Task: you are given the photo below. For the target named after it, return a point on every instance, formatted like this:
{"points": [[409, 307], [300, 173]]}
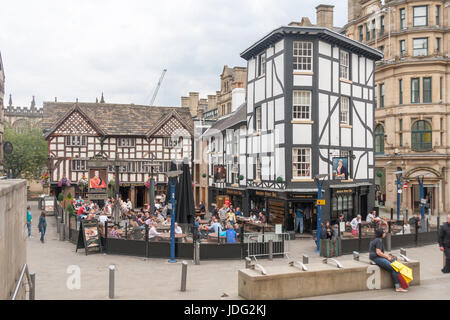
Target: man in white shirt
{"points": [[370, 217], [129, 205], [355, 222], [152, 233], [178, 229]]}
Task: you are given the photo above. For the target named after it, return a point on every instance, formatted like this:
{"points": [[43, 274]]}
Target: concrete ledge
{"points": [[286, 282]]}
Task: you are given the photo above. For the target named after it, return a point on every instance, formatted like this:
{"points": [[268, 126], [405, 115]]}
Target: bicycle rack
{"points": [[338, 264], [299, 265]]}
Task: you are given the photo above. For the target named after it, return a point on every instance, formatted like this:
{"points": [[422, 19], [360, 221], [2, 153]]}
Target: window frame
{"points": [[400, 91], [402, 19], [381, 95], [418, 144], [401, 132], [402, 48], [346, 121], [261, 64], [344, 64], [300, 61], [302, 107], [414, 47], [367, 31], [361, 33], [381, 25], [427, 92], [374, 28], [295, 163], [417, 17], [379, 140], [438, 44], [131, 142], [438, 16], [413, 101], [78, 165], [258, 119], [70, 141]]}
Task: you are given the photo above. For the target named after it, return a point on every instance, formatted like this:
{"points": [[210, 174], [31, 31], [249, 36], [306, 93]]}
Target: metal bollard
{"points": [[305, 259], [270, 250], [57, 224], [355, 256], [33, 286], [183, 275], [112, 269], [407, 214], [62, 232], [197, 253], [403, 251]]}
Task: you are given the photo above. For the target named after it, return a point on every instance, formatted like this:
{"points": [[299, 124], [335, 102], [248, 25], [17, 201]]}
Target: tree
{"points": [[29, 154]]}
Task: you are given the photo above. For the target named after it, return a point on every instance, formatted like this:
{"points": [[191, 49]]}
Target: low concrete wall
{"points": [[286, 282], [13, 208]]}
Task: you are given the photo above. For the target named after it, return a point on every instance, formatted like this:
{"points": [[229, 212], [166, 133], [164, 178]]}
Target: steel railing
{"points": [[31, 280]]}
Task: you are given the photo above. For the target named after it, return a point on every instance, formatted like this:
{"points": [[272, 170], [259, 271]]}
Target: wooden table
{"points": [[162, 228], [166, 236], [212, 237], [204, 221]]}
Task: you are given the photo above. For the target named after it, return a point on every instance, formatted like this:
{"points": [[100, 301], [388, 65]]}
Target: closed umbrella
{"points": [[184, 211]]}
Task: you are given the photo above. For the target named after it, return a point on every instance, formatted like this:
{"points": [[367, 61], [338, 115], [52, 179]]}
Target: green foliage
{"points": [[241, 177], [69, 196], [70, 209], [279, 180], [29, 152], [60, 197]]}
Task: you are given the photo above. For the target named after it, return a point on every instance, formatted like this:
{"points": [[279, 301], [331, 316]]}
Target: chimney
{"points": [[324, 15], [354, 9], [185, 102]]}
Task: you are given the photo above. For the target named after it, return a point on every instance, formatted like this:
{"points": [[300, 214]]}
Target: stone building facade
{"points": [[230, 79], [413, 85], [23, 117]]}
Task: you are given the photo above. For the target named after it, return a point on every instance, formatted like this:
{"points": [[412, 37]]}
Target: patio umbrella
{"points": [[184, 211]]}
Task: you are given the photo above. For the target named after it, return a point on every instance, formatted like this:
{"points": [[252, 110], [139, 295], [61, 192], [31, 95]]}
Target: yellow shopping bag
{"points": [[404, 270]]}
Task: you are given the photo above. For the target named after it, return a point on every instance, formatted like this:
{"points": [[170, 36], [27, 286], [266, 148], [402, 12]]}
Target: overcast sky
{"points": [[77, 49]]}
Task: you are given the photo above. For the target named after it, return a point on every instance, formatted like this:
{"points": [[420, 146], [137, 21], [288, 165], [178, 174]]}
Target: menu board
{"points": [[276, 211], [88, 237], [49, 204]]}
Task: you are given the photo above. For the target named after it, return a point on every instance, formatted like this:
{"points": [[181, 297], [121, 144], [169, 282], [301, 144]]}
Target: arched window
{"points": [[421, 135], [379, 139]]}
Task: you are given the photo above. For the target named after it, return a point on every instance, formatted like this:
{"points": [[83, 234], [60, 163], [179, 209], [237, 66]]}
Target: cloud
{"points": [[77, 49]]}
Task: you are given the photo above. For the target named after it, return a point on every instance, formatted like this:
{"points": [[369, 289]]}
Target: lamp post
{"points": [[399, 188], [422, 200], [172, 174], [319, 183]]}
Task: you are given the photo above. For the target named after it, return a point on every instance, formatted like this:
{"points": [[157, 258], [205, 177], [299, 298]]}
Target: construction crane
{"points": [[157, 87]]}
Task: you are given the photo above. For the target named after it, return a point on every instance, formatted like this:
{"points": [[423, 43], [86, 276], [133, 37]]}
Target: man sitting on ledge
{"points": [[382, 260]]}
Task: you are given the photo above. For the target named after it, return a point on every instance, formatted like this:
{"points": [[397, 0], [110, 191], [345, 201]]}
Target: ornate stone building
{"points": [[21, 117], [413, 85], [230, 79]]}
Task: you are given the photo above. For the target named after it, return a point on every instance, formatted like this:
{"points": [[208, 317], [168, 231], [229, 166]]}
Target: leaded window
{"points": [[301, 163], [303, 52], [421, 135], [301, 107], [379, 139]]}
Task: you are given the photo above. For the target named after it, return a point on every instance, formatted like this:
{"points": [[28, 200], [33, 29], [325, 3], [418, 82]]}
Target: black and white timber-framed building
{"points": [[310, 104]]}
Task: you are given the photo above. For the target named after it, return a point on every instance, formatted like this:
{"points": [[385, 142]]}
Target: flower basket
{"points": [[83, 183], [44, 179]]}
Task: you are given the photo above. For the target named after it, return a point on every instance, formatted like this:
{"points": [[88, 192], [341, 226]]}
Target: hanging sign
{"points": [[321, 202]]}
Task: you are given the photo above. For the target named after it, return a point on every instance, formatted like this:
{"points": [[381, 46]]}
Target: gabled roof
{"points": [[115, 119], [320, 32], [235, 118]]}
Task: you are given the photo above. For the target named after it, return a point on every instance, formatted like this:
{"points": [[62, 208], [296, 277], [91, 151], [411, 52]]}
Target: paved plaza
{"points": [[152, 279]]}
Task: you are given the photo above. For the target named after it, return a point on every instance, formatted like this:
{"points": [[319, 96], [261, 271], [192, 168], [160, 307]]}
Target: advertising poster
{"points": [[97, 180], [220, 173], [89, 238], [340, 168]]}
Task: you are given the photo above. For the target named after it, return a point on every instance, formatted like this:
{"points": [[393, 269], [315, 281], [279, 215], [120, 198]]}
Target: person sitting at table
{"points": [[238, 212], [146, 216], [237, 228], [370, 217], [164, 211], [152, 233], [215, 226], [102, 218], [223, 213], [406, 227], [231, 234], [159, 218], [168, 222], [202, 208], [253, 216], [113, 233], [178, 229], [262, 218]]}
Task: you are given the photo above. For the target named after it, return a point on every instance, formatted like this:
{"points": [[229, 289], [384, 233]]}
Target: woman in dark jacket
{"points": [[42, 225]]}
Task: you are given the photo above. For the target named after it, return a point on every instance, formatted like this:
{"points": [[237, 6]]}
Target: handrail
{"points": [[31, 283]]}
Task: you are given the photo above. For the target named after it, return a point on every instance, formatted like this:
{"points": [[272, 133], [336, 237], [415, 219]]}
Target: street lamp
{"points": [[172, 174], [319, 183], [398, 174]]}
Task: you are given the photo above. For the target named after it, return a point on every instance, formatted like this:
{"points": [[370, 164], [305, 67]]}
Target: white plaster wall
{"points": [[251, 69], [324, 48], [279, 65], [301, 133], [324, 74], [323, 114], [279, 109], [260, 90], [300, 80]]}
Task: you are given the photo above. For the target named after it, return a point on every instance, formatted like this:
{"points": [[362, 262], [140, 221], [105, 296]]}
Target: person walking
{"points": [[444, 243], [42, 225], [29, 219], [377, 255]]}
